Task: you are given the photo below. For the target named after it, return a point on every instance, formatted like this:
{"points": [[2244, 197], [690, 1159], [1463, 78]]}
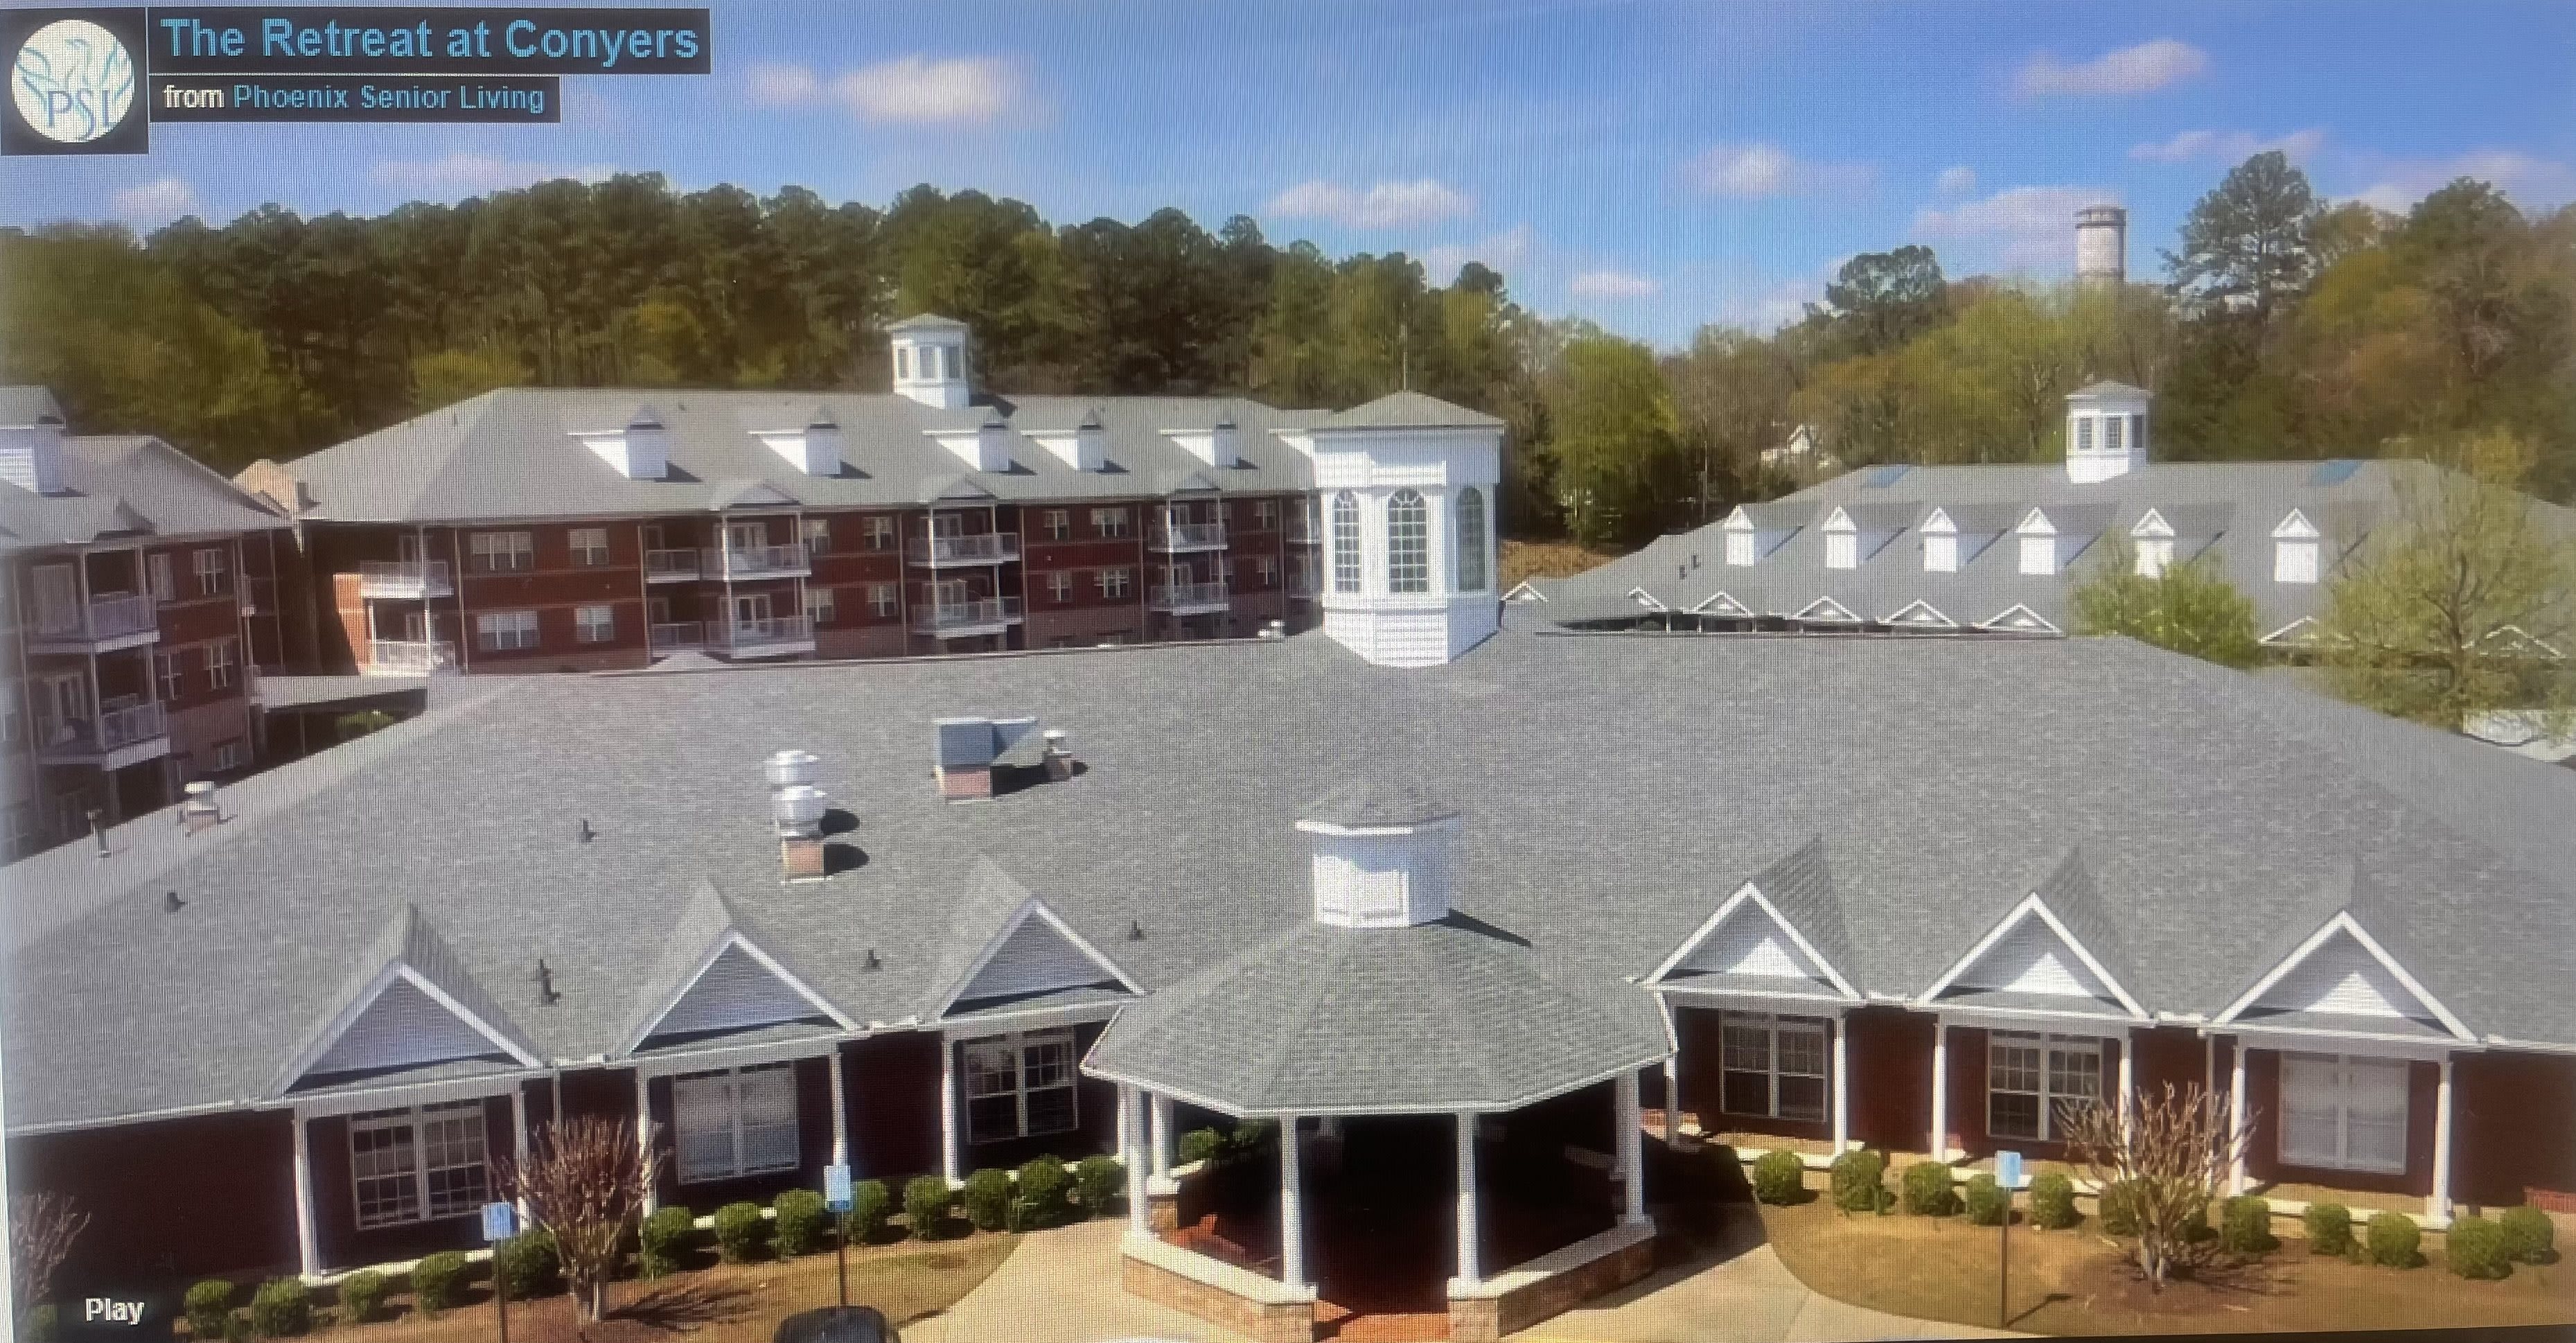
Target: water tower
{"points": [[2102, 246]]}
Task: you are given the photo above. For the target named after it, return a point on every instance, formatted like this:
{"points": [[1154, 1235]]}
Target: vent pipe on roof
{"points": [[796, 809], [200, 810], [1059, 756]]}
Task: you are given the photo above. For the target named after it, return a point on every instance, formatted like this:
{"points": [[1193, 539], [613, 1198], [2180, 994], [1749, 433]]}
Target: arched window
{"points": [[1471, 540], [1408, 543], [1346, 542]]}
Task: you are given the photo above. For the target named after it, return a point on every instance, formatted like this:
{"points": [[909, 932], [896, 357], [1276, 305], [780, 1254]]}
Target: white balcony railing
{"points": [[1188, 536], [962, 617], [409, 657], [673, 636], [664, 566], [404, 578], [1187, 597], [104, 618], [760, 635], [111, 730], [984, 548], [755, 561]]}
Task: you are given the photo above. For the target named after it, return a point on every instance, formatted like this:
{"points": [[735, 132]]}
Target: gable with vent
{"points": [[739, 988], [403, 1021], [1751, 945], [1038, 953], [2031, 953], [2342, 972]]}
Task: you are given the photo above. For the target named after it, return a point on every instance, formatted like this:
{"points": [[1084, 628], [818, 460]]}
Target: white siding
{"points": [[2032, 958], [736, 992], [2342, 977], [402, 1028], [2294, 561], [1842, 550], [1940, 554], [1739, 549], [1749, 942], [2039, 555], [1035, 958]]}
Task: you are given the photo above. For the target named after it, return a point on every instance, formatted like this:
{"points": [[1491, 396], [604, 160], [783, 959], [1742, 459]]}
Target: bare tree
{"points": [[584, 1181], [2167, 1160], [42, 1228]]}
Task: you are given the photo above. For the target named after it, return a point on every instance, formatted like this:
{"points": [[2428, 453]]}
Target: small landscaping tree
{"points": [[988, 1199], [435, 1281], [2475, 1248], [1779, 1177], [2329, 1227], [2394, 1240], [1926, 1186], [42, 1228], [925, 1205], [2529, 1235], [2167, 1161], [665, 1240], [2052, 1201], [585, 1181], [1859, 1179], [1096, 1181], [870, 1206], [362, 1296], [739, 1231]]}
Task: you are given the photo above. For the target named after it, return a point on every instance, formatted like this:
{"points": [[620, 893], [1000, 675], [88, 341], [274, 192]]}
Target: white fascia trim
{"points": [[2030, 905], [1737, 521], [348, 1016], [1728, 604], [2152, 523], [733, 938], [1441, 1108], [1646, 599], [2343, 921], [1031, 1019], [2037, 1018], [405, 1094], [2035, 523], [2276, 636], [2347, 1042], [1523, 592], [1749, 892], [721, 1057], [1997, 623], [1839, 521], [2295, 527], [1842, 614], [1809, 1004], [1938, 523], [1032, 907], [2518, 632], [1905, 616]]}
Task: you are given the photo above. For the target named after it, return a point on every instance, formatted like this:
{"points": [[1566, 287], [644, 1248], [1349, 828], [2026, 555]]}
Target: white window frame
{"points": [[2340, 1102], [883, 599], [501, 552], [419, 1127], [877, 531], [1265, 571], [219, 664], [820, 607], [171, 674], [1060, 587], [816, 533], [158, 578], [1115, 583], [2111, 426], [1471, 539], [589, 546], [1408, 542], [228, 755], [211, 571], [1265, 514], [505, 631], [2048, 1069], [1109, 521], [1057, 523], [981, 1063], [1740, 1034], [595, 623], [1346, 542], [734, 1090]]}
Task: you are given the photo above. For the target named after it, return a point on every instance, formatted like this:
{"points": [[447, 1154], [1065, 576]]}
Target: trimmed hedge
{"points": [[362, 1296], [2394, 1240], [209, 1303], [1779, 1177], [2245, 1225], [1859, 1180], [665, 1241], [925, 1205], [871, 1204], [1096, 1181], [2529, 1236], [2475, 1249], [1925, 1188], [1988, 1203], [526, 1263], [281, 1308], [740, 1229], [2329, 1228], [988, 1199], [1041, 1200], [2052, 1201], [1200, 1144], [435, 1281], [799, 1220], [2119, 1217]]}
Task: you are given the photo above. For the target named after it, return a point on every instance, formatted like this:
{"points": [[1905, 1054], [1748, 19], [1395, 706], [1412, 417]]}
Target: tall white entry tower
{"points": [[1406, 486], [930, 360]]}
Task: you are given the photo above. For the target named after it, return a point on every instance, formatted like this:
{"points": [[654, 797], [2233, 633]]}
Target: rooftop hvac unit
{"points": [[798, 809], [789, 769]]}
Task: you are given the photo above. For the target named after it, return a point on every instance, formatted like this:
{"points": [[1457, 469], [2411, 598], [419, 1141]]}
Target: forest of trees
{"points": [[2285, 328]]}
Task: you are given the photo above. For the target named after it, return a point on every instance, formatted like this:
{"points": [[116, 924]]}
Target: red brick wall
{"points": [[894, 1112], [2513, 1126], [1891, 1064], [186, 1197]]}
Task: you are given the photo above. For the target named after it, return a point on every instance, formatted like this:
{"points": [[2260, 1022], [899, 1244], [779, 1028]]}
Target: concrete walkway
{"points": [[1061, 1286]]}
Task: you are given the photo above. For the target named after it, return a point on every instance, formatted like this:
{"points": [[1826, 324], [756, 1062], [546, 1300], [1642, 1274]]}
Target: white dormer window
{"points": [[2084, 432], [2111, 433], [2155, 555], [1842, 550], [2039, 555], [1739, 550], [1940, 554], [903, 362], [2294, 550]]}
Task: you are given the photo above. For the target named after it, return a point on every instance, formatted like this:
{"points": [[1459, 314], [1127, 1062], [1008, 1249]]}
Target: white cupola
{"points": [[930, 360], [1407, 498], [2106, 432], [1383, 857], [31, 440]]}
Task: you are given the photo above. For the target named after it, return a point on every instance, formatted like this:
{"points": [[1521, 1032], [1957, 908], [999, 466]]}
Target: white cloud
{"points": [[1607, 283], [1503, 251], [1384, 205], [1766, 310], [784, 84], [467, 174], [1757, 170], [2530, 181], [2229, 146], [914, 90], [2143, 68], [155, 202], [1958, 181], [2031, 225]]}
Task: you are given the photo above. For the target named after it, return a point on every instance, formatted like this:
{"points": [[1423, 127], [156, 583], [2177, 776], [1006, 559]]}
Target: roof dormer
{"points": [[930, 360], [983, 445], [639, 448], [1085, 447], [2295, 543], [1382, 858], [816, 450], [1753, 531], [1220, 445], [31, 440]]}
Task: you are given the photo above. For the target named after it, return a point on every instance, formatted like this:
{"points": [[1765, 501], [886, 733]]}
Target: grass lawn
{"points": [[2072, 1282], [720, 1303], [1546, 559]]}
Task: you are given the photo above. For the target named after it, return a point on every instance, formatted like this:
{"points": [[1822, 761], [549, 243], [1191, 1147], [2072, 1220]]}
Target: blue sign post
{"points": [[2009, 1176], [836, 1196], [500, 1222]]}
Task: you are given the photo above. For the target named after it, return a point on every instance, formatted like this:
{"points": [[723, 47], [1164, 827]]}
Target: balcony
{"points": [[103, 626], [404, 580], [113, 740], [1183, 599], [408, 657], [677, 636], [939, 552], [1185, 536], [768, 637], [736, 562], [670, 566], [960, 619]]}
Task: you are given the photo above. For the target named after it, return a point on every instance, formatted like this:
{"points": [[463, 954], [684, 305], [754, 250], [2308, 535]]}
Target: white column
{"points": [[1673, 1101], [840, 1109], [519, 1135], [1632, 1156], [1131, 1153], [2438, 1203], [1842, 1086], [948, 1113], [308, 1245], [1471, 1269], [2128, 1082], [2236, 1115], [1292, 1212], [644, 1137], [1940, 1090], [1160, 1134]]}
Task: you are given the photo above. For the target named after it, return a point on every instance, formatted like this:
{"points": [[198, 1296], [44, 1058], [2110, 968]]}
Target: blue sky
{"points": [[1651, 166]]}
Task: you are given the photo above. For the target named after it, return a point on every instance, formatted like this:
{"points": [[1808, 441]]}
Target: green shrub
{"points": [[1859, 1179], [2394, 1240], [2119, 1214], [2245, 1225], [525, 1264], [988, 1199], [2052, 1201], [436, 1280], [208, 1304], [1779, 1177], [1926, 1186], [1250, 1136], [44, 1325], [2195, 1226], [281, 1308], [665, 1240], [739, 1231], [1043, 1186], [1096, 1181], [925, 1205], [2475, 1248], [871, 1203], [2329, 1228], [799, 1218], [362, 1296], [1988, 1203], [237, 1329], [2529, 1236], [1200, 1144]]}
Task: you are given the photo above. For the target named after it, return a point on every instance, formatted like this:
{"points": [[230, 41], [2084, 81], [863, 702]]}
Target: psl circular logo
{"points": [[74, 82]]}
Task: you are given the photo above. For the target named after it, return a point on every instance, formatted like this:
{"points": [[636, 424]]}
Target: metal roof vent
{"points": [[796, 809], [1058, 756], [792, 767], [199, 810]]}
